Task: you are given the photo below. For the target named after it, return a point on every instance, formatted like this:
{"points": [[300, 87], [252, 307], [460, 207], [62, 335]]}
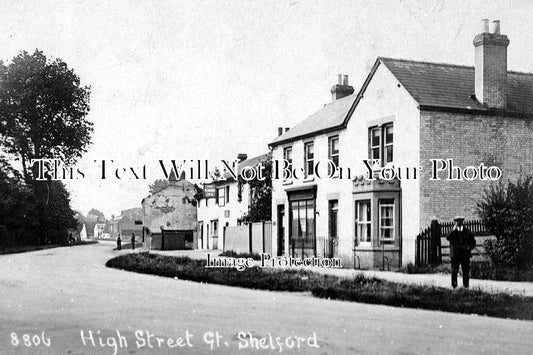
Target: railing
{"points": [[429, 242]]}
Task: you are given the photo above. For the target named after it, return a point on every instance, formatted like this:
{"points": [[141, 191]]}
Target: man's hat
{"points": [[459, 218]]}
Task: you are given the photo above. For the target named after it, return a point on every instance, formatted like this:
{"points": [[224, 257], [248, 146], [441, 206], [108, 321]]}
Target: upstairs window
{"points": [[333, 151], [227, 194], [221, 196], [287, 155], [381, 142], [309, 159]]}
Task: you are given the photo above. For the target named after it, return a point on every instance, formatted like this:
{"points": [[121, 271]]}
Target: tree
{"points": [[507, 211], [261, 195], [42, 110], [161, 184], [95, 212]]}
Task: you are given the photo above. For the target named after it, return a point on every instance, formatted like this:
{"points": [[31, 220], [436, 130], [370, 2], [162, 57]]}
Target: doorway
{"points": [[281, 230]]}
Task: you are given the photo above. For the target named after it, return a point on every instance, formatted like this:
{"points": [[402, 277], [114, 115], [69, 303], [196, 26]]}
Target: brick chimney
{"points": [[341, 89], [491, 66]]}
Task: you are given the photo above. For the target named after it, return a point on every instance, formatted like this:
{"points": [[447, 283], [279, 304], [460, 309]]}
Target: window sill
{"points": [[376, 249], [287, 182], [309, 179]]}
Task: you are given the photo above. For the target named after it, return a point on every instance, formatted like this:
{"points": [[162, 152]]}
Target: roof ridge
{"points": [[425, 62], [447, 64]]}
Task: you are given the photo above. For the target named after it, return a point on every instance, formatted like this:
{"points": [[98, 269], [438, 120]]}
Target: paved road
{"points": [[68, 290]]}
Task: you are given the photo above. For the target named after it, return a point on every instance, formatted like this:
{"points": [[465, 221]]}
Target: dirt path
{"points": [[68, 290]]}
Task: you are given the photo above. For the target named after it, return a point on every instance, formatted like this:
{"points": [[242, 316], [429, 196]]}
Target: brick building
{"points": [[406, 114]]}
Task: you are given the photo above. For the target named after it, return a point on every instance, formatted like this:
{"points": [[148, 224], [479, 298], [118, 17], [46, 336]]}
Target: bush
{"points": [[508, 213], [234, 254]]}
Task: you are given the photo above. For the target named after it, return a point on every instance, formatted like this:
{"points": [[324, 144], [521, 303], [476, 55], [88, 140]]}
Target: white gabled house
{"points": [[405, 114]]}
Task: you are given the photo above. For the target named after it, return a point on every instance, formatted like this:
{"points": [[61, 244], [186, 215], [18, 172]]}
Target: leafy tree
{"points": [[261, 195], [42, 110], [96, 213], [161, 184], [508, 212]]}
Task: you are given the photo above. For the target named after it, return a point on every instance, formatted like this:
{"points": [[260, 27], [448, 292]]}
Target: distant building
{"points": [[169, 217], [125, 224]]}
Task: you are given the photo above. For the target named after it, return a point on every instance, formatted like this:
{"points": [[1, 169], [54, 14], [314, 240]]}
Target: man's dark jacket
{"points": [[461, 243]]}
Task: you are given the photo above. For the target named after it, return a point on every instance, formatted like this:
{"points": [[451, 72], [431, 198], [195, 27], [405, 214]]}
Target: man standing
{"points": [[462, 242], [133, 241]]}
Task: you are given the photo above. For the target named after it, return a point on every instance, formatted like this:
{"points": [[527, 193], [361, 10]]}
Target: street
{"points": [[57, 295]]}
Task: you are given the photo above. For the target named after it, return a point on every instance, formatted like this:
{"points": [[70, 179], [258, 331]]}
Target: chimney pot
{"points": [[490, 80], [485, 25], [280, 131], [341, 89], [496, 27], [242, 157], [287, 129]]}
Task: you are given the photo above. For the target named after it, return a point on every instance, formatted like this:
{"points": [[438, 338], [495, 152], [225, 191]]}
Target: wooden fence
{"points": [[432, 248], [250, 238]]}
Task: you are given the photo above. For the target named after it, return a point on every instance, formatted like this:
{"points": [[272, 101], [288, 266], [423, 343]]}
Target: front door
{"points": [[333, 237], [281, 230]]}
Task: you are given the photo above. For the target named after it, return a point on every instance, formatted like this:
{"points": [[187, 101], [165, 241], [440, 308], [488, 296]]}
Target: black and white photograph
{"points": [[265, 177]]}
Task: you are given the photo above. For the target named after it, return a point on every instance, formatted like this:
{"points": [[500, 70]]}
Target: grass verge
{"points": [[359, 289], [234, 254], [483, 270]]}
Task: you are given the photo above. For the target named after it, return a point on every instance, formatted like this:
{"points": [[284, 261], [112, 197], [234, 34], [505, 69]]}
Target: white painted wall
{"points": [[215, 212], [382, 98]]}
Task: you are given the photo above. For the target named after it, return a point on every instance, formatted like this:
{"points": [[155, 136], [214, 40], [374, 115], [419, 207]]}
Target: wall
{"points": [[213, 211], [469, 140], [238, 239], [173, 208]]}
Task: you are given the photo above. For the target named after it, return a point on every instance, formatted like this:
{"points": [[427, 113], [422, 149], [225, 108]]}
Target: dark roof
{"points": [[433, 86], [331, 115], [452, 86], [248, 162]]}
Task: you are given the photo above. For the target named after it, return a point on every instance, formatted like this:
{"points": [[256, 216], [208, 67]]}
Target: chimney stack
{"points": [[280, 131], [341, 89], [491, 66], [242, 157]]}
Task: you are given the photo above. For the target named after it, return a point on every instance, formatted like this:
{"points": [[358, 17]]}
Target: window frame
{"points": [[285, 151], [390, 203], [331, 155], [359, 222], [223, 189], [307, 160], [382, 146]]}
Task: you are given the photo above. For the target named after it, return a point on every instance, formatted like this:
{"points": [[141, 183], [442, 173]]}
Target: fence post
{"points": [[417, 250], [250, 237], [435, 242]]}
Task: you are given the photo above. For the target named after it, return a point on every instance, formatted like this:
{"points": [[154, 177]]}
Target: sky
{"points": [[211, 79]]}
